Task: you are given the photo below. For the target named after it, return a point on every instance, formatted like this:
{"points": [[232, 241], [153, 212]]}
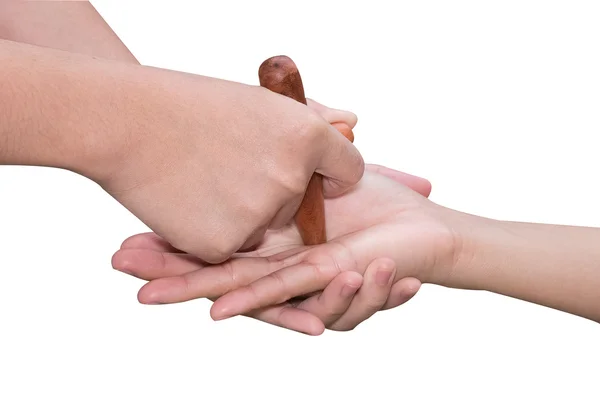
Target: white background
{"points": [[497, 103]]}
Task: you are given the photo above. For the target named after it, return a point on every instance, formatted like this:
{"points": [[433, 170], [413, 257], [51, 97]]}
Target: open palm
{"points": [[176, 277], [392, 220]]}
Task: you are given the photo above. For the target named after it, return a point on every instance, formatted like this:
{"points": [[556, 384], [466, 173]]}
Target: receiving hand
{"points": [[344, 303]]}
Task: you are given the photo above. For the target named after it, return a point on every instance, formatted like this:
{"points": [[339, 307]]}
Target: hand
{"points": [[397, 223], [346, 302], [148, 257], [207, 164], [210, 165]]}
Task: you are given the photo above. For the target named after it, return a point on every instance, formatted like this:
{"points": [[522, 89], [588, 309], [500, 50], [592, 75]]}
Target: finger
{"points": [[275, 288], [150, 264], [288, 317], [341, 164], [333, 302], [333, 115], [372, 295], [418, 184], [149, 241], [209, 282], [402, 291]]}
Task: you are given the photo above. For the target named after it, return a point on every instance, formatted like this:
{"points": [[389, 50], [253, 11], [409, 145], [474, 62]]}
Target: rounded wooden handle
{"points": [[280, 75]]}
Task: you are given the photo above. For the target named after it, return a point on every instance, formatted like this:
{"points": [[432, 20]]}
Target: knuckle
{"points": [[220, 250], [289, 180], [186, 285], [294, 182], [231, 272], [311, 128], [280, 295], [324, 271], [308, 135], [252, 292], [255, 209], [162, 260]]}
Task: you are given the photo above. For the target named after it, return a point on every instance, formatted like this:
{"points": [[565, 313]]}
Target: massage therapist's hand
{"points": [[216, 163], [207, 164]]}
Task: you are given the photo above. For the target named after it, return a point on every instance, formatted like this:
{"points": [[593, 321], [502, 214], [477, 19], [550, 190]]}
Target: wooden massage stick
{"points": [[280, 75]]}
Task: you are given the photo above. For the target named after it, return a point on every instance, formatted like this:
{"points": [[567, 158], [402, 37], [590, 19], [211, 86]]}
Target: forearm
{"points": [[555, 266], [73, 26], [56, 106]]}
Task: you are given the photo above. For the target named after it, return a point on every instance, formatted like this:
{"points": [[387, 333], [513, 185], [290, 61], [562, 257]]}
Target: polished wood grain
{"points": [[280, 75]]}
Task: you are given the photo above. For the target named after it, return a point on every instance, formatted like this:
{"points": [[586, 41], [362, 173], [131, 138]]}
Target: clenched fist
{"points": [[207, 164]]}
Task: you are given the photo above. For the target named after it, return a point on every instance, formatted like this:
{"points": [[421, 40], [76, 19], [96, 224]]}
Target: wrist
{"points": [[471, 246]]}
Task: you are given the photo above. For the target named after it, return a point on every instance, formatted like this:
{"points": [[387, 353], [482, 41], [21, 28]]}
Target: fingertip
{"points": [[426, 187], [383, 265], [333, 187], [346, 118], [351, 119], [136, 241], [135, 262], [317, 329], [378, 283], [381, 272], [123, 261], [412, 285], [402, 291], [119, 261], [301, 321], [351, 278], [148, 296], [351, 284], [342, 165], [219, 311], [333, 115]]}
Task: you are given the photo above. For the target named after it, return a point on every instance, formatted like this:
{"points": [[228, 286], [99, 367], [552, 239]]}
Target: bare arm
{"points": [[551, 265], [55, 107], [73, 26]]}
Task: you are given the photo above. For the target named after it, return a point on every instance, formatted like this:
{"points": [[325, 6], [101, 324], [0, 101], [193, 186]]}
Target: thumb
{"points": [[341, 164]]}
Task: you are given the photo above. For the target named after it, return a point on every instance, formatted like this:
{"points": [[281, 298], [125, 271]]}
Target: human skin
{"points": [[177, 277], [551, 265], [77, 27], [73, 26], [545, 264], [195, 158]]}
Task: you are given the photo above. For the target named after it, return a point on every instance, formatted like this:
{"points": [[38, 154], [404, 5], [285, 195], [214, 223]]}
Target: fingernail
{"points": [[349, 290], [383, 276]]}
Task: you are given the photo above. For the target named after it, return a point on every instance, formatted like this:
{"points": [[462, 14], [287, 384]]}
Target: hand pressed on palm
{"points": [[177, 277]]}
